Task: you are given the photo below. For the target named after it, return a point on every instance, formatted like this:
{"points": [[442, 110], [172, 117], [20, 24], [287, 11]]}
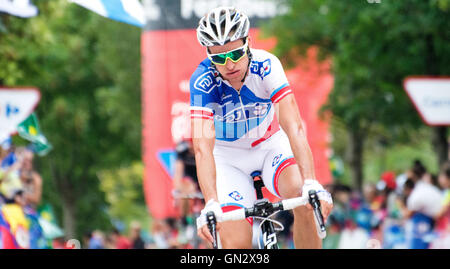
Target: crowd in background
{"points": [[410, 210], [20, 195], [19, 182], [116, 239]]}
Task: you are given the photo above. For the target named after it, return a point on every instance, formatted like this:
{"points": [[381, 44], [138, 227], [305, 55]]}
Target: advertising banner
{"points": [[171, 53]]}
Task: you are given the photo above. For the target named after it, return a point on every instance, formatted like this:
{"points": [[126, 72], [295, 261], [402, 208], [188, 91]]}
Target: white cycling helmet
{"points": [[222, 25]]}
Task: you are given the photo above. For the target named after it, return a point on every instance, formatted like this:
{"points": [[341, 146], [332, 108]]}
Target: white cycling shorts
{"points": [[234, 167]]}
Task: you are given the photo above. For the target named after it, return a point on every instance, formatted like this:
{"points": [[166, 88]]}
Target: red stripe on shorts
{"points": [[280, 168]]}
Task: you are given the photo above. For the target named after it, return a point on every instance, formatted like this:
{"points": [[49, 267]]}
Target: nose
{"points": [[229, 64]]}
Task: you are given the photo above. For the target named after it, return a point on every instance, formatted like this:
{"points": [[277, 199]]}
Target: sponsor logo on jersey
{"points": [[206, 82], [236, 196], [261, 68], [235, 112]]}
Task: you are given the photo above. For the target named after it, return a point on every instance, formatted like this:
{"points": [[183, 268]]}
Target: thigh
{"points": [[235, 190], [280, 171]]}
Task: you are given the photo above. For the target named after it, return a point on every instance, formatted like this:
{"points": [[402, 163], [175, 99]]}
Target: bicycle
{"points": [[263, 209]]}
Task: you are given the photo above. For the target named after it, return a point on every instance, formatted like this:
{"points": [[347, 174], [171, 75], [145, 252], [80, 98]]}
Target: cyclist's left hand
{"points": [[202, 227], [326, 202]]}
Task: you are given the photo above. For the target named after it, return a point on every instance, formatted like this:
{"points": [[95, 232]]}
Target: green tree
{"points": [[88, 71], [373, 47], [123, 190]]}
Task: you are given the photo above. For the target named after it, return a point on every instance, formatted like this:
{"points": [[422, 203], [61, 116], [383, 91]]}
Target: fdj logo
{"points": [[266, 68], [236, 196], [261, 68], [276, 160], [206, 82]]}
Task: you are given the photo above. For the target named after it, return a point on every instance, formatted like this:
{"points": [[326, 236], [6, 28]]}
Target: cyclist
{"points": [[235, 92], [186, 192], [185, 180]]}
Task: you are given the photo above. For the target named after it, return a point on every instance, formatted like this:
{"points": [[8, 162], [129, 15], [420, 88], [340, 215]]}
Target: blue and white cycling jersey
{"points": [[246, 118]]}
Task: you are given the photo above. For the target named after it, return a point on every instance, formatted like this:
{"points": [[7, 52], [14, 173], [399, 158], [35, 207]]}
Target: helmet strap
{"points": [[250, 56]]}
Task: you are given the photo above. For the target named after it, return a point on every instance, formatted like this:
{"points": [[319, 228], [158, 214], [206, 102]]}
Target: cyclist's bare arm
{"points": [[203, 139], [291, 122]]}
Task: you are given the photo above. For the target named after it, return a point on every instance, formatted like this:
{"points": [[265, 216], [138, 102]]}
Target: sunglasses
{"points": [[234, 55]]}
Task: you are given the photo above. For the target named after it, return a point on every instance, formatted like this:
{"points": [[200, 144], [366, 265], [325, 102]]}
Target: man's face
{"points": [[233, 72]]}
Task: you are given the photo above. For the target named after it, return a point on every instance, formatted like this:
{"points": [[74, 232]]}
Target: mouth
{"points": [[233, 74]]}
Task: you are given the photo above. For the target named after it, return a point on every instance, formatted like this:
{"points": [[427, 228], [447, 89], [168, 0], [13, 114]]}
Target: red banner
{"points": [[169, 57]]}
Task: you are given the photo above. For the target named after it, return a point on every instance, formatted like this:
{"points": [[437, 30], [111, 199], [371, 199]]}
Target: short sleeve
{"points": [[203, 93], [276, 81]]}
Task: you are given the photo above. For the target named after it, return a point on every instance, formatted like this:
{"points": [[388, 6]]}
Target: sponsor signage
{"points": [[431, 98]]}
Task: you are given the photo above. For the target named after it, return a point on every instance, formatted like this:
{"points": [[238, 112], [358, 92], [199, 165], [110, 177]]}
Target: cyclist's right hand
{"points": [[202, 227]]}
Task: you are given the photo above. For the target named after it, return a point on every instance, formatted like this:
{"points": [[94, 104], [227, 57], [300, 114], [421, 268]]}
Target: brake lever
{"points": [[315, 203], [211, 220]]}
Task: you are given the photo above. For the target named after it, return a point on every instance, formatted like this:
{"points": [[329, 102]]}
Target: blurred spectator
{"points": [[364, 214], [443, 217], [339, 216], [86, 239], [418, 170], [408, 187], [444, 183], [341, 210], [431, 179], [387, 187], [109, 242], [159, 232], [353, 237], [423, 205], [31, 180], [135, 236], [10, 183], [97, 240], [120, 241], [391, 232]]}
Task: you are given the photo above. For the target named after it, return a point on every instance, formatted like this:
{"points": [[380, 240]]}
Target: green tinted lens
{"points": [[219, 59], [236, 55]]}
